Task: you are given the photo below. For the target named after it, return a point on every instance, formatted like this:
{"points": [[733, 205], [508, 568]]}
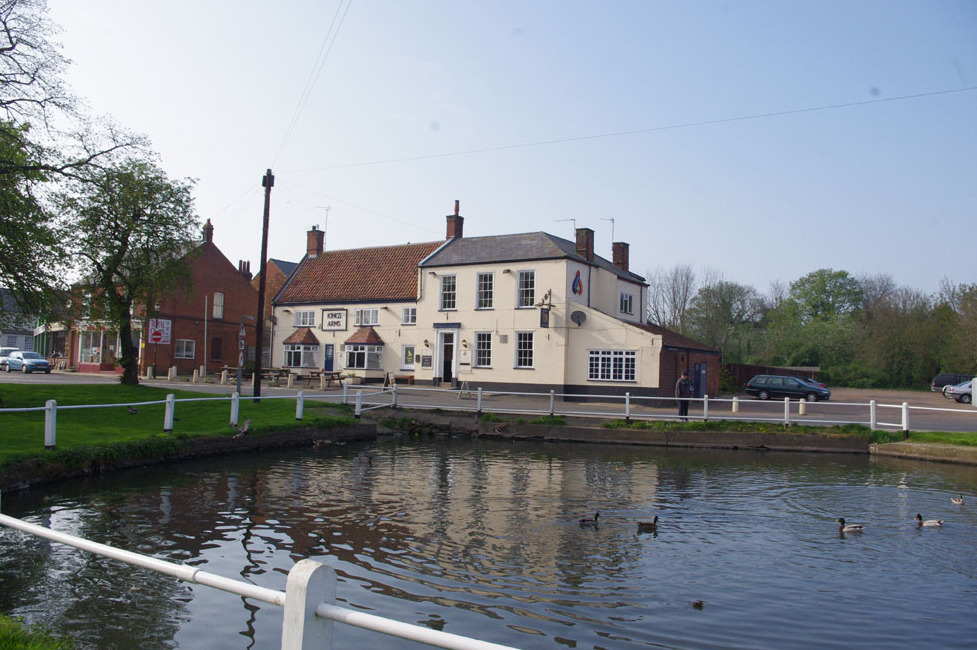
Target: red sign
{"points": [[156, 336]]}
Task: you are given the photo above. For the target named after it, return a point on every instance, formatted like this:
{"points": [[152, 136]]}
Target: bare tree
{"points": [[670, 293]]}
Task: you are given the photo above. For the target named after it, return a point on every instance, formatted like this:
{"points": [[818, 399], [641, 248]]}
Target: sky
{"points": [[762, 140]]}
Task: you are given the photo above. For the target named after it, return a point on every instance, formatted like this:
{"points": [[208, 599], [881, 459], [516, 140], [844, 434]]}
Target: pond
{"points": [[481, 538]]}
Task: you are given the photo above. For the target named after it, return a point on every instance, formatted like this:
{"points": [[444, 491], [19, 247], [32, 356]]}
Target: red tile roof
{"points": [[674, 339], [365, 336], [357, 275], [302, 336]]}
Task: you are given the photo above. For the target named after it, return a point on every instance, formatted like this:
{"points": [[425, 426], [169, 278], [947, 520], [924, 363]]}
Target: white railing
{"points": [[308, 599]]}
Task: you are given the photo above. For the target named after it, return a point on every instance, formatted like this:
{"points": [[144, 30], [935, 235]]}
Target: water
{"points": [[480, 538]]}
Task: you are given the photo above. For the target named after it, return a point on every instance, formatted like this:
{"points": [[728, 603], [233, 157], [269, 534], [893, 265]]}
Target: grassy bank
{"points": [[14, 635], [107, 431]]}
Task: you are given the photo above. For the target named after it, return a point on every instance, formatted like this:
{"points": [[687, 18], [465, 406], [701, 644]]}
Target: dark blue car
{"points": [[769, 386]]}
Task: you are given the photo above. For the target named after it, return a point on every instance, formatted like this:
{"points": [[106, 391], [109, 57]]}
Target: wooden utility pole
{"points": [[267, 182]]}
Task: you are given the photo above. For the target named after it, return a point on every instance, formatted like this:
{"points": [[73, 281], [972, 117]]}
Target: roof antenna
{"points": [[611, 219], [325, 223], [574, 224]]}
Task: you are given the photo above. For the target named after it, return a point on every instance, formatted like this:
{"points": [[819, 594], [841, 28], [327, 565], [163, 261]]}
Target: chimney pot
{"points": [[208, 231], [456, 224]]}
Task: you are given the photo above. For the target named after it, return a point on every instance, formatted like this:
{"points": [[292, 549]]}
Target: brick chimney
{"points": [[244, 268], [316, 239], [620, 254], [585, 243], [456, 223], [208, 232]]}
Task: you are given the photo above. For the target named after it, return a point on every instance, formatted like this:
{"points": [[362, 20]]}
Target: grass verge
{"points": [[14, 635]]}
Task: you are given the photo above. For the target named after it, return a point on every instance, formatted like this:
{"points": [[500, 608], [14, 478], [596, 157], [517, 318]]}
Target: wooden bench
{"points": [[404, 379]]}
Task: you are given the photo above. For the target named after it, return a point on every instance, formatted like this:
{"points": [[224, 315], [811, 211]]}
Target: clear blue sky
{"points": [[531, 112]]}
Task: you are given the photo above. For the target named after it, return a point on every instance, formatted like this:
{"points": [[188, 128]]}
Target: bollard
{"points": [[235, 408], [288, 382], [299, 405], [322, 382], [345, 392], [552, 399], [50, 423], [309, 583], [736, 404], [196, 375], [705, 408], [254, 380], [802, 407], [171, 373], [393, 391], [168, 415], [223, 377], [358, 411], [627, 407], [786, 411], [479, 400], [871, 415], [905, 419]]}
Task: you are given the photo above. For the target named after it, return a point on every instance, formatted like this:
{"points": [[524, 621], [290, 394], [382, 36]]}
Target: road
{"points": [[928, 411]]}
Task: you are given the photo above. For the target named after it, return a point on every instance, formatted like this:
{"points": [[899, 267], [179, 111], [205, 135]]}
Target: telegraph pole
{"points": [[267, 182]]}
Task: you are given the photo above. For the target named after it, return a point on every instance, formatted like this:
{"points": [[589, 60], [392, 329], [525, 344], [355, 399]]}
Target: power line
{"points": [[324, 50], [654, 129]]}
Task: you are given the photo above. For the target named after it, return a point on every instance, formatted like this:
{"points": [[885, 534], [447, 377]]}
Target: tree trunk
{"points": [[129, 359]]}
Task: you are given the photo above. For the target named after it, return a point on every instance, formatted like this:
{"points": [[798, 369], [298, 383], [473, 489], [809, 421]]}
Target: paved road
{"points": [[929, 411]]}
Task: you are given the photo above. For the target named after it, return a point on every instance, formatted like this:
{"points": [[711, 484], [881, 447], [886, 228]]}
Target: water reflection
{"points": [[481, 538]]}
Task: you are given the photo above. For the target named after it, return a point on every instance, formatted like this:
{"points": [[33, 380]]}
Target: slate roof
{"points": [[357, 275], [523, 247], [285, 267], [674, 339]]}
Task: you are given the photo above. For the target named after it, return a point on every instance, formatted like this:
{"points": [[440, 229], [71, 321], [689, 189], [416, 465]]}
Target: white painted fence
{"points": [[308, 599]]}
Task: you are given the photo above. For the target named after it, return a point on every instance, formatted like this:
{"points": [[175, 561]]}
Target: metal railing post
{"points": [[871, 415], [705, 408], [300, 405], [50, 423], [309, 583], [235, 408], [905, 419], [479, 411], [358, 411], [552, 399], [345, 392], [393, 391], [168, 416], [627, 407], [786, 411]]}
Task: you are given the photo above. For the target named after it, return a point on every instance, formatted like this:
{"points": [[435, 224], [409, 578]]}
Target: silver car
{"points": [[962, 392], [4, 353], [27, 362]]}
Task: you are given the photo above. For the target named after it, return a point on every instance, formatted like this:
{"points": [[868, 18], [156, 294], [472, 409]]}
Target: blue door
{"points": [[699, 379], [328, 351]]}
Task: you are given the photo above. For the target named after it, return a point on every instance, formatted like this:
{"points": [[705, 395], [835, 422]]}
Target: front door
{"points": [[328, 351], [447, 356]]}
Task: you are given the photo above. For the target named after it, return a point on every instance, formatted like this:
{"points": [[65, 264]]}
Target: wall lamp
{"points": [[427, 343], [432, 273], [464, 343], [507, 270]]}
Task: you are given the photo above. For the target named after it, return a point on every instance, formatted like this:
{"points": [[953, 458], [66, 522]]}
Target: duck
{"points": [[928, 523], [648, 526], [588, 522], [849, 528], [957, 501]]}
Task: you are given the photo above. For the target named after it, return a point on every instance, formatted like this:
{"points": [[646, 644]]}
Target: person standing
{"points": [[683, 391]]}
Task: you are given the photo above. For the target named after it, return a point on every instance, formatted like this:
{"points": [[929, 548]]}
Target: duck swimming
{"points": [[588, 522], [928, 523], [849, 528], [648, 526], [957, 501]]}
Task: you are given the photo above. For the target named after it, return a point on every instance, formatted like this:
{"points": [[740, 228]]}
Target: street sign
{"points": [[156, 336]]}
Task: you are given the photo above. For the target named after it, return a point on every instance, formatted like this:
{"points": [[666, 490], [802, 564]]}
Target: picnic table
{"points": [[275, 374]]}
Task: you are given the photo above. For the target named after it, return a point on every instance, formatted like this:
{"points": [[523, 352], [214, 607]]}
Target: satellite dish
{"points": [[578, 317]]}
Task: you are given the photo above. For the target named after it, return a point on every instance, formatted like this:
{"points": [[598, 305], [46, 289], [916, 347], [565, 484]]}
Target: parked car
{"points": [[767, 386], [945, 379], [962, 392], [4, 353], [27, 362]]}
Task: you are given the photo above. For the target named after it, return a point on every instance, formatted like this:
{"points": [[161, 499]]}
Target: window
{"points": [[216, 348], [524, 349], [366, 317], [305, 318], [612, 365], [627, 303], [484, 289], [218, 305], [526, 291], [409, 316], [185, 348], [301, 356], [449, 292], [483, 349], [88, 347], [407, 358], [364, 357]]}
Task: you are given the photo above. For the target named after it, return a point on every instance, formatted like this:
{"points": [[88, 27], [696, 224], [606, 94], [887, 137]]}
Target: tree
{"points": [[826, 293], [721, 311], [130, 228], [670, 292]]}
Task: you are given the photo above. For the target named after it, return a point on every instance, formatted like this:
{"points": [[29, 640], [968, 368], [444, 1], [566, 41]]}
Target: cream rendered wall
{"points": [[602, 332]]}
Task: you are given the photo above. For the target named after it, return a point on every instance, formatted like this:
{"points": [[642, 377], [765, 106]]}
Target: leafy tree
{"points": [[670, 292], [722, 311], [826, 293], [131, 228]]}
